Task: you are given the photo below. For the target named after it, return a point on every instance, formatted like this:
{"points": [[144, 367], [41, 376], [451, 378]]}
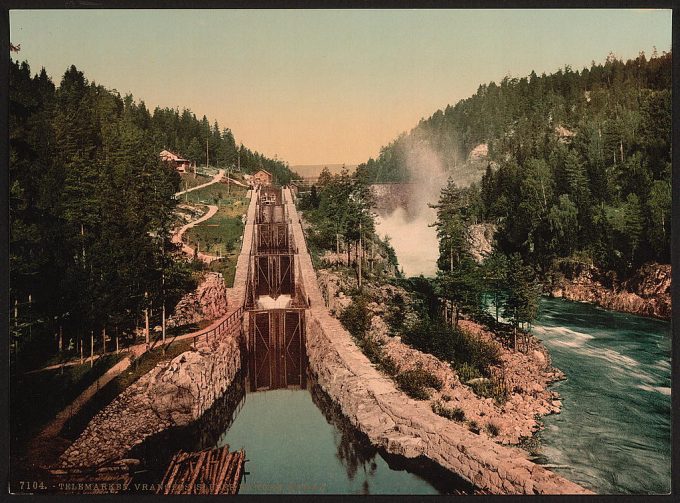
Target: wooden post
{"points": [[30, 302], [117, 350], [81, 349], [360, 254], [146, 322], [61, 339], [104, 341], [91, 348], [163, 325]]}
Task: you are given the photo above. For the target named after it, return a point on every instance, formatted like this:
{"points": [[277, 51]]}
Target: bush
{"points": [[356, 318], [471, 355], [467, 372], [473, 426], [413, 383], [530, 444], [492, 429], [491, 388], [454, 414]]}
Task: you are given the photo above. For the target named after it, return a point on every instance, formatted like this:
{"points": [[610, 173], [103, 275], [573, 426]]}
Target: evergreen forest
{"points": [[91, 207], [578, 165]]}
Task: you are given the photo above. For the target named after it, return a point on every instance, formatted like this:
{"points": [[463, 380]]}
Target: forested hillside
{"points": [[579, 163], [91, 205]]}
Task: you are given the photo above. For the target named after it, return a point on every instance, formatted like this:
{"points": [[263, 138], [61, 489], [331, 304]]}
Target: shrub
{"points": [[467, 372], [413, 383], [446, 398], [356, 318], [530, 444], [492, 429], [473, 426], [454, 414], [491, 388]]}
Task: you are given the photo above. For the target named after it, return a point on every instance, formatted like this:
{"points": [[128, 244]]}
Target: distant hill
{"points": [[313, 170]]}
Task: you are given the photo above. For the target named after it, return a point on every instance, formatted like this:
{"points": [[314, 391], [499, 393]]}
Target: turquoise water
{"points": [[293, 448], [614, 432]]}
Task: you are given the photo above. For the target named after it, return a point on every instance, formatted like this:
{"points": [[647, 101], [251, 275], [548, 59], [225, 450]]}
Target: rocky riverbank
{"points": [[526, 375], [646, 293]]}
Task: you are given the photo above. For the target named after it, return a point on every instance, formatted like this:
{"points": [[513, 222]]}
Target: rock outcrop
{"points": [[646, 293], [481, 241], [208, 302]]}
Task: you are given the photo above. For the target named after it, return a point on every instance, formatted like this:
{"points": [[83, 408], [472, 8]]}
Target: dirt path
{"points": [[188, 250], [217, 178]]}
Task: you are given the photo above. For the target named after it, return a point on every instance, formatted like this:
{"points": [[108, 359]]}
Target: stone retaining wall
{"points": [[398, 423], [172, 394]]}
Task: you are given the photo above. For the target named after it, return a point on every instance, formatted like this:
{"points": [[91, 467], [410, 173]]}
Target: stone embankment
{"points": [[174, 393], [208, 302], [646, 293], [402, 425]]}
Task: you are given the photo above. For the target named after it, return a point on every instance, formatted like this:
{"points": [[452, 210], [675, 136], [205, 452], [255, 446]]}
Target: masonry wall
{"points": [[398, 423]]}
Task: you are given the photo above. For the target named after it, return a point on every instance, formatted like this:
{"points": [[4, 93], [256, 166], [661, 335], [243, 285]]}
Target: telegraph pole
{"points": [[360, 253]]}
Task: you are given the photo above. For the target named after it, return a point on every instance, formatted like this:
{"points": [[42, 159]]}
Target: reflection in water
{"points": [[355, 451], [297, 441]]}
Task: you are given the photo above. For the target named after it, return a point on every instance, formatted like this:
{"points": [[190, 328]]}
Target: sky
{"points": [[322, 86]]}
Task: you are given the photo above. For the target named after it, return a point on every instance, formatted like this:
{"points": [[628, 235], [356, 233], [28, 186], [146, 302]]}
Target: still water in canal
{"points": [[614, 432]]}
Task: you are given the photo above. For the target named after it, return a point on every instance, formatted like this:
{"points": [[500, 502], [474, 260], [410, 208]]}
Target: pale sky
{"points": [[322, 86]]}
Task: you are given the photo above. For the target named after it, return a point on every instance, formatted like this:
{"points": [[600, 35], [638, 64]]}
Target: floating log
{"points": [[210, 471]]}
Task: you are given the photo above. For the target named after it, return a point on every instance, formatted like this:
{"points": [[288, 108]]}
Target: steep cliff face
{"points": [[647, 293], [481, 240]]}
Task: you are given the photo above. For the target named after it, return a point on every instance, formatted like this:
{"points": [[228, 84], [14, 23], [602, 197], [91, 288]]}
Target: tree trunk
{"points": [[515, 337], [61, 339], [337, 248], [91, 348], [104, 340]]}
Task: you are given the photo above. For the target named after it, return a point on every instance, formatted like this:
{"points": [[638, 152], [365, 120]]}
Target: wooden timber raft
{"points": [[211, 471]]}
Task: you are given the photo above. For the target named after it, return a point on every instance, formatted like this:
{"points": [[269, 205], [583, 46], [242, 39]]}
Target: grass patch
{"points": [[453, 413], [189, 182], [37, 398], [416, 381], [141, 366], [218, 194], [220, 234], [227, 267]]}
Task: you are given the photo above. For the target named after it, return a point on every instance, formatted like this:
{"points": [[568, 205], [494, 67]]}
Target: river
{"points": [[614, 432]]}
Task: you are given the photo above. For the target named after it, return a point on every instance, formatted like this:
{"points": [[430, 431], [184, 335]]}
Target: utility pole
{"points": [[360, 253], [146, 321], [206, 153], [163, 292]]}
